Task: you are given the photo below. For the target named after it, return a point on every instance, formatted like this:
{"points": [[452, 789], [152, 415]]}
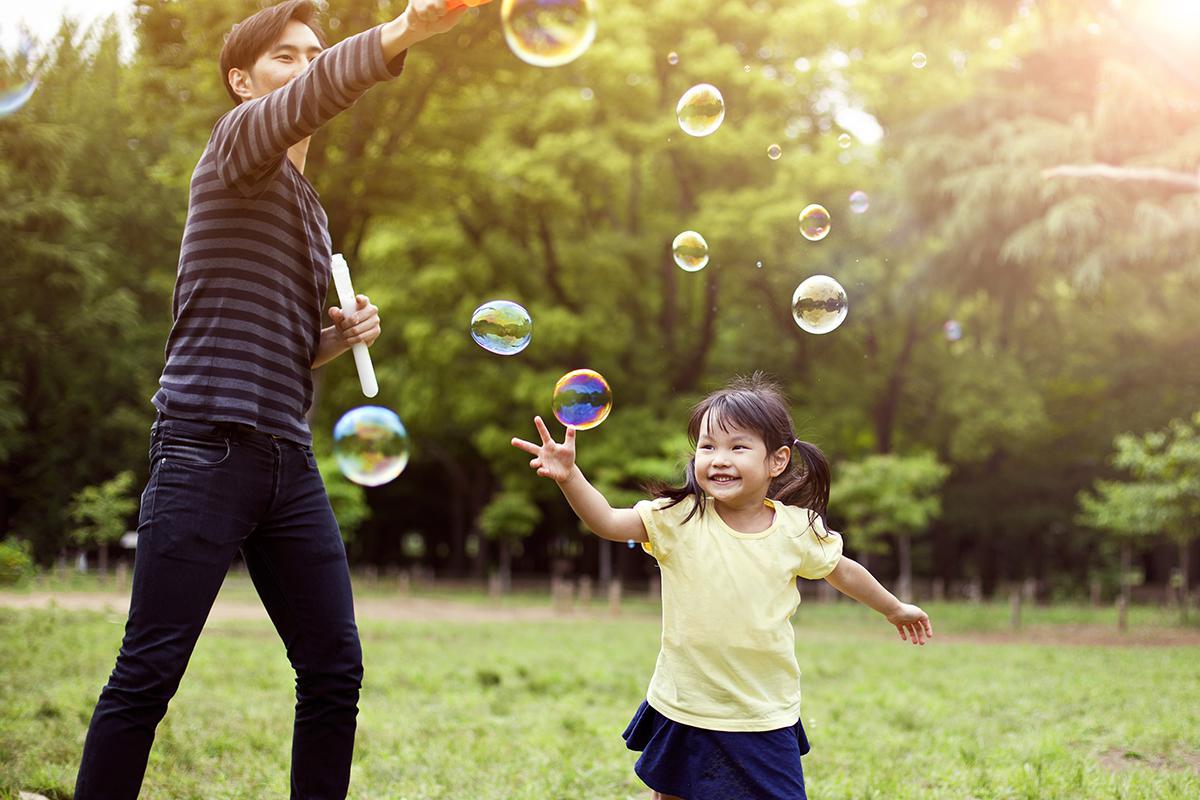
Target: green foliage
{"points": [[888, 494], [16, 561], [1164, 493], [474, 176], [101, 513], [510, 515], [349, 500]]}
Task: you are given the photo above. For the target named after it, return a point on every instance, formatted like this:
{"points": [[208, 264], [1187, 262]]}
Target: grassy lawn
{"points": [[527, 709]]}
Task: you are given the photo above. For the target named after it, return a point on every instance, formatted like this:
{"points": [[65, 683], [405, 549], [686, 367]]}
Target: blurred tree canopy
{"points": [[474, 176]]}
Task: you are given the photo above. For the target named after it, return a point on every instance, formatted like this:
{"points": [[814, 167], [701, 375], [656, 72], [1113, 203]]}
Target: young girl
{"points": [[721, 719]]}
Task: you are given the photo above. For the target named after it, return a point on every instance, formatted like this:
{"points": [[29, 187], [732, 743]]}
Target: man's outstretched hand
{"points": [[427, 18]]}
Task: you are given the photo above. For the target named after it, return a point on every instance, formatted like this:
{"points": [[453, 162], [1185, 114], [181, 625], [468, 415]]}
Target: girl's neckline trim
{"points": [[775, 523]]}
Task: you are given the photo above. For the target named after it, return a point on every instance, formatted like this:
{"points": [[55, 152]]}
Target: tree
{"points": [[508, 518], [101, 513], [1163, 496], [1128, 512], [889, 494]]}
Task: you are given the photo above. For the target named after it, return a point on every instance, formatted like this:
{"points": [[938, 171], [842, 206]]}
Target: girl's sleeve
{"points": [[251, 141], [820, 549], [662, 525]]}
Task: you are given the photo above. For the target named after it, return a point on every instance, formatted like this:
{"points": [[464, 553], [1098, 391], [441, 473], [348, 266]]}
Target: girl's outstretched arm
{"points": [[557, 462], [852, 579]]}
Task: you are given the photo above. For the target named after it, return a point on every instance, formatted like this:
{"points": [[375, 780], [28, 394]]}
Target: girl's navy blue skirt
{"points": [[698, 764]]}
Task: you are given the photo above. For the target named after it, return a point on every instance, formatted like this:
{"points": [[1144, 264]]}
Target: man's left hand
{"points": [[360, 326]]}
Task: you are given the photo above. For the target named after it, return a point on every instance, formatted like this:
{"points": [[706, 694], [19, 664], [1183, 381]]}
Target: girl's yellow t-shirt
{"points": [[728, 658]]}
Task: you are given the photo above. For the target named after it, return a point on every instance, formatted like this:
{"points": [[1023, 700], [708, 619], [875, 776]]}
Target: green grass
{"points": [[535, 709]]}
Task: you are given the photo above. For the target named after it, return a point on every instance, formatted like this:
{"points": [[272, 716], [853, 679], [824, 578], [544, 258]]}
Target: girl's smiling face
{"points": [[733, 465]]}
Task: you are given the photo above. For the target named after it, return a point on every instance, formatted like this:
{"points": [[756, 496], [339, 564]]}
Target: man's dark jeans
{"points": [[216, 488]]}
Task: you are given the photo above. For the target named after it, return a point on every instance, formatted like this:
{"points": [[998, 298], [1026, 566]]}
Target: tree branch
{"points": [[1180, 180]]}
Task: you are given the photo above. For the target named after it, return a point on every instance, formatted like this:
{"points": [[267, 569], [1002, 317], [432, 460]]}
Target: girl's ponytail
{"points": [[805, 482]]}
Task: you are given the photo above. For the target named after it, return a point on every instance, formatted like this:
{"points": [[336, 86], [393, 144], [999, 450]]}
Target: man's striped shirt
{"points": [[254, 263]]}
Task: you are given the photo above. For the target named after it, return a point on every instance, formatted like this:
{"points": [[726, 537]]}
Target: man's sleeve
{"points": [[251, 141]]}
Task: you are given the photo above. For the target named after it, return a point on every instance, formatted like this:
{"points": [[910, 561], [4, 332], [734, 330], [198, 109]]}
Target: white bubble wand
{"points": [[362, 357]]}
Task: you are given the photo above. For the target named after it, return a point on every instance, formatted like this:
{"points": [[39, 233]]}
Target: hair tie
{"points": [[796, 443]]}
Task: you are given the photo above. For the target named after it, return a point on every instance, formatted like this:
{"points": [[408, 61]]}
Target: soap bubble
{"points": [[814, 223], [370, 445], [859, 202], [690, 251], [582, 399], [548, 33], [845, 141], [774, 152], [700, 110], [672, 58], [919, 60], [758, 264], [501, 327], [952, 330], [17, 83], [632, 544], [819, 304]]}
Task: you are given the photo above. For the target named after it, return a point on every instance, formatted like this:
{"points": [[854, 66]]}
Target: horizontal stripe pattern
{"points": [[254, 261]]}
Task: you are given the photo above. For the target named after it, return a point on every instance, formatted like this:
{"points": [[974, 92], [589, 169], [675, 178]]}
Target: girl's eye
{"points": [[706, 447]]}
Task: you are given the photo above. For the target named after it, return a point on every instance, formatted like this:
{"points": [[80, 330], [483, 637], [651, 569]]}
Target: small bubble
{"points": [[672, 58], [586, 93], [919, 60], [774, 152], [845, 141], [814, 223]]}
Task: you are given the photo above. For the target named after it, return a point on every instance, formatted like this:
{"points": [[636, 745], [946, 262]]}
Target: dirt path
{"points": [[423, 609], [400, 608]]}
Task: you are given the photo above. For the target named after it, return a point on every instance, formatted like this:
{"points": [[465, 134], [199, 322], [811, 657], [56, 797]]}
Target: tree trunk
{"points": [[606, 562], [505, 564], [1123, 601], [103, 559], [1185, 547], [904, 555]]}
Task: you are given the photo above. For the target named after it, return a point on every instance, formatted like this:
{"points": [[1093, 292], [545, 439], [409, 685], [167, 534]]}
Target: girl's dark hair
{"points": [[254, 36], [757, 404]]}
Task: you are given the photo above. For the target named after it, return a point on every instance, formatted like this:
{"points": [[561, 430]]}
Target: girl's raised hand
{"points": [[550, 459], [912, 623]]}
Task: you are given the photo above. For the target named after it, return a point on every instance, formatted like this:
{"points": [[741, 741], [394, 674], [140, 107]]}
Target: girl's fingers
{"points": [[570, 438], [528, 447], [541, 428], [536, 463], [902, 635]]}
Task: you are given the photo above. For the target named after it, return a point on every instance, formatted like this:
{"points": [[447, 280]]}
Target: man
{"points": [[231, 463]]}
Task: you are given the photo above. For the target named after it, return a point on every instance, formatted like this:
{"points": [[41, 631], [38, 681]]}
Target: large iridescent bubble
{"points": [[701, 110], [582, 399], [370, 445], [819, 304], [814, 223], [548, 33], [501, 327], [690, 251]]}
